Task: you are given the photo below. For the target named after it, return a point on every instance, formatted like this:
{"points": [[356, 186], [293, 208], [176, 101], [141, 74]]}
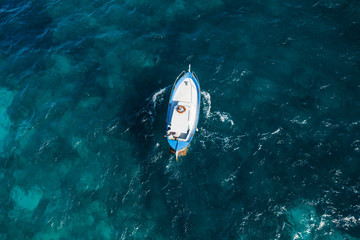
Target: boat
{"points": [[183, 112]]}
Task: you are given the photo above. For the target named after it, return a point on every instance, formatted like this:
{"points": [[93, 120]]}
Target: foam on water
{"points": [[148, 113], [222, 116], [158, 96]]}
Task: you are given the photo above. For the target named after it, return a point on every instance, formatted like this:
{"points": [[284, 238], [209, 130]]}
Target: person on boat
{"points": [[169, 133]]}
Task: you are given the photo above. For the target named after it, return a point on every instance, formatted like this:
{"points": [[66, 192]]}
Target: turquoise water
{"points": [[84, 87]]}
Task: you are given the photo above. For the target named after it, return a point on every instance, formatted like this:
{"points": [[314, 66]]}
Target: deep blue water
{"points": [[84, 87]]}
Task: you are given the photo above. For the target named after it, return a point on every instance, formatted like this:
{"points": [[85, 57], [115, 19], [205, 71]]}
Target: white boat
{"points": [[183, 112]]}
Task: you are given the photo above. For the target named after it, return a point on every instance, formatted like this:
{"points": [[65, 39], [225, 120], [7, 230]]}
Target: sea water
{"points": [[84, 87]]}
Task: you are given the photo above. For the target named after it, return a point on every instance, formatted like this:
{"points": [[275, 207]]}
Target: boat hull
{"points": [[183, 112]]}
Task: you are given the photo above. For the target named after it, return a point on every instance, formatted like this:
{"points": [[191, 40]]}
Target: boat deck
{"points": [[183, 123]]}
